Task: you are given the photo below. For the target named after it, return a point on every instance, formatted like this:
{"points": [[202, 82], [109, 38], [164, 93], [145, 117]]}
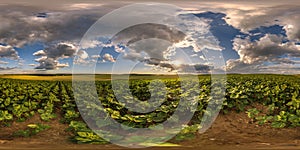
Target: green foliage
{"points": [[21, 99], [82, 134], [252, 113], [5, 115], [32, 129], [188, 132], [279, 93]]}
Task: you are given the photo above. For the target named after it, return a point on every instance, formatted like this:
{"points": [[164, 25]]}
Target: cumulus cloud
{"points": [[284, 15], [83, 54], [49, 57], [108, 57], [8, 52], [293, 28], [50, 64], [146, 42], [154, 48], [39, 53], [269, 48], [238, 66], [62, 65], [266, 48], [83, 58], [267, 51]]}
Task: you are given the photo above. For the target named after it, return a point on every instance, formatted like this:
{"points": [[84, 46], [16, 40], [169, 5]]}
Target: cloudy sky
{"points": [[252, 37]]}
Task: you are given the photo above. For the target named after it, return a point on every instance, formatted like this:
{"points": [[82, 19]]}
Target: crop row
{"points": [[21, 99]]}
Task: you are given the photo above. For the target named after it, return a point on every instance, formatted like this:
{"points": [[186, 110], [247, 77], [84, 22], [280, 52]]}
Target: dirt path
{"points": [[230, 131], [235, 131]]}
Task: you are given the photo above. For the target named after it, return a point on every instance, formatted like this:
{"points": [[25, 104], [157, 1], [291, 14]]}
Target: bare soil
{"points": [[230, 131]]}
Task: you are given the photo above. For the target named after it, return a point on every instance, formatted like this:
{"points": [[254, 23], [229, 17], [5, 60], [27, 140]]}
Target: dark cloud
{"points": [[184, 68], [49, 57], [153, 47], [238, 66], [269, 48], [160, 63], [149, 30], [202, 68], [23, 25], [8, 52], [150, 39], [6, 68]]}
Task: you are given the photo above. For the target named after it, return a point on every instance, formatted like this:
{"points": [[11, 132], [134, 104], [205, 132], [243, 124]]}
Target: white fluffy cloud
{"points": [[108, 57], [95, 56]]}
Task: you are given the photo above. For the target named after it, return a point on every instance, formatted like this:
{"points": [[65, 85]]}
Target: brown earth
{"points": [[230, 131]]}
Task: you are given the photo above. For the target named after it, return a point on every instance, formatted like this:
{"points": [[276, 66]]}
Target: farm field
{"points": [[68, 77], [259, 111]]}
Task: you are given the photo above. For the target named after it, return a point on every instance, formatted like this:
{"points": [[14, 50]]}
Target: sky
{"points": [[235, 36]]}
